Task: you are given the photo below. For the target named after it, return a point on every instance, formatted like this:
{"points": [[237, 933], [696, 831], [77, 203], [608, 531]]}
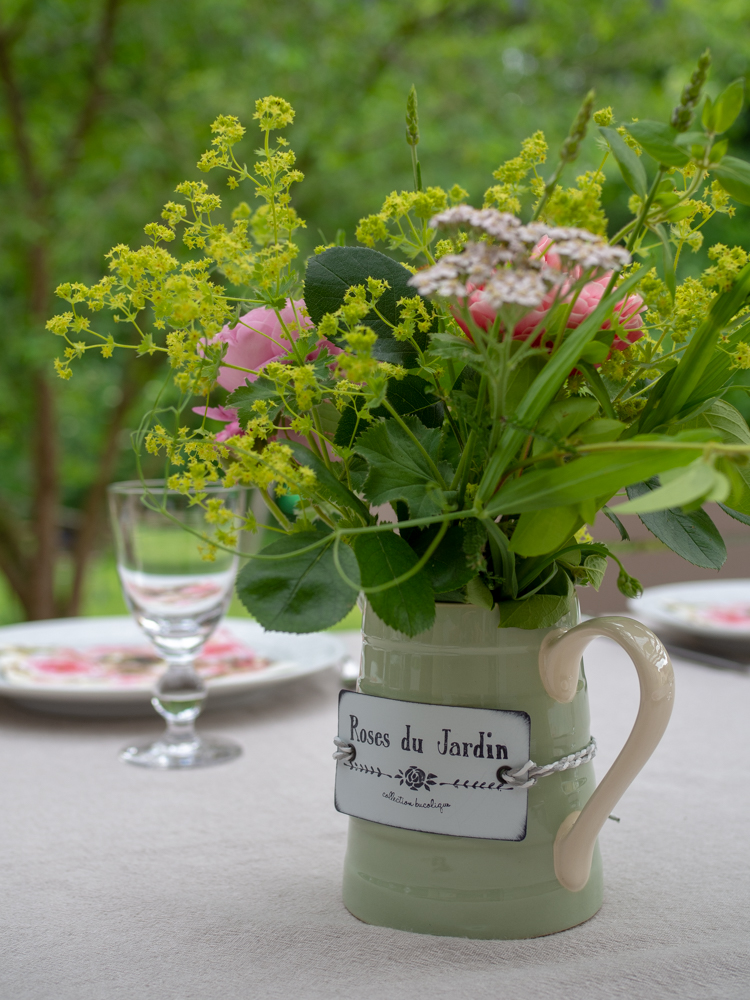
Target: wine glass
{"points": [[177, 597]]}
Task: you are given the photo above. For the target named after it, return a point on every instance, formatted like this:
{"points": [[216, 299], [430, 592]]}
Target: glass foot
{"points": [[204, 751]]}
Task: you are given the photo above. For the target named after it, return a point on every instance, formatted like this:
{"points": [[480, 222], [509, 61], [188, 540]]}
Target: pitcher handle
{"points": [[559, 666]]}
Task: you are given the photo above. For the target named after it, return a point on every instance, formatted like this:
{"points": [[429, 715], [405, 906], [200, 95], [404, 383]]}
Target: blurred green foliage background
{"points": [[106, 106]]}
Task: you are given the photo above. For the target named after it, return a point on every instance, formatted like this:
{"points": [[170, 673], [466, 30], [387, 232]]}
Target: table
{"points": [[224, 884]]}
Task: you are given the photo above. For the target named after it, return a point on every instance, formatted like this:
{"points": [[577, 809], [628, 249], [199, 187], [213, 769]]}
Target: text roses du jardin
{"points": [[480, 747]]}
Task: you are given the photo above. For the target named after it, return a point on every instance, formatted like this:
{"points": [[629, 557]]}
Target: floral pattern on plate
{"points": [[121, 666], [734, 617]]}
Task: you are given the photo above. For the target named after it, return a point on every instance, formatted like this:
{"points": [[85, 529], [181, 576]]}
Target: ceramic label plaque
{"points": [[432, 768]]}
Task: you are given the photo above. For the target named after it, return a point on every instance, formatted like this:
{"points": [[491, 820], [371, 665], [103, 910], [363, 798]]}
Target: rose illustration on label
{"points": [[416, 778]]}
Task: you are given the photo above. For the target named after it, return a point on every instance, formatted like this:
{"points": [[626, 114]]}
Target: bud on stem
{"points": [[569, 149], [412, 135], [682, 116], [412, 117], [577, 134]]}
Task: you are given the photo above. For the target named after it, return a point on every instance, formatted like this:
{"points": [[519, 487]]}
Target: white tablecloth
{"points": [[224, 884]]}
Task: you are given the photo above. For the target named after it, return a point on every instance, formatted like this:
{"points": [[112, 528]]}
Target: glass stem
{"points": [[178, 698]]}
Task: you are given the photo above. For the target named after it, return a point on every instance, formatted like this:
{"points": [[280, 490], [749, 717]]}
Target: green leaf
{"points": [[658, 141], [541, 610], [694, 483], [503, 559], [448, 567], [328, 486], [719, 370], [611, 516], [412, 394], [408, 395], [331, 273], [730, 427], [692, 536], [561, 419], [728, 106], [542, 531], [727, 421], [594, 352], [595, 567], [594, 379], [599, 429], [599, 475], [538, 611], [630, 166], [350, 426], [569, 555], [657, 390], [299, 594], [475, 537], [667, 259], [358, 470], [739, 477], [478, 593], [399, 469], [245, 395], [680, 212], [708, 118], [453, 348], [742, 518], [328, 418], [688, 140], [666, 196], [521, 379], [687, 376], [547, 384], [719, 150], [408, 607], [734, 177], [450, 450]]}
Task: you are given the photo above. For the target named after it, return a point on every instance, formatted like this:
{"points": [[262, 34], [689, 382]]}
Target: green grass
{"points": [[103, 597]]}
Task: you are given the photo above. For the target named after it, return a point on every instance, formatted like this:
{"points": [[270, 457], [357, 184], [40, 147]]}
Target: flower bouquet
{"points": [[441, 418]]}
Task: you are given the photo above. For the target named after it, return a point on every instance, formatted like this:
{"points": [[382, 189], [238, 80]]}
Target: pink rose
{"points": [[588, 299], [227, 414], [257, 339]]}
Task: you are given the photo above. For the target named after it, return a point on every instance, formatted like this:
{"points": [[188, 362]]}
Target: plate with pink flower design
{"points": [[712, 616], [104, 666]]}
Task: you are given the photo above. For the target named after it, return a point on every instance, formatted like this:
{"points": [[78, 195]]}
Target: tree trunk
{"points": [[44, 454], [33, 578], [138, 371]]}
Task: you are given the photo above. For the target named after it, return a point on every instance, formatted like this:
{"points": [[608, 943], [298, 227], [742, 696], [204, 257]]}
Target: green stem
{"points": [[416, 168], [641, 218], [322, 438], [420, 563], [594, 379], [548, 189], [314, 448], [621, 232], [465, 457], [323, 516], [464, 481], [645, 366], [275, 510], [448, 414], [499, 543]]}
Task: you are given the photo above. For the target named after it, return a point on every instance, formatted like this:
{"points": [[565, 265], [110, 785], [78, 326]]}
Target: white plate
{"points": [[291, 656], [717, 610]]}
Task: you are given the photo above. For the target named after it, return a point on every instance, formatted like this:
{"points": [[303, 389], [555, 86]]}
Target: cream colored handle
{"points": [[559, 666]]}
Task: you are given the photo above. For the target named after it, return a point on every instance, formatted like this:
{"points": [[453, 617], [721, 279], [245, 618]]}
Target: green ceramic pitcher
{"points": [[552, 879]]}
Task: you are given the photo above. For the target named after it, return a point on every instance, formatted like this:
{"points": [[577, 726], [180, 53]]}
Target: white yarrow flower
{"points": [[500, 259]]}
